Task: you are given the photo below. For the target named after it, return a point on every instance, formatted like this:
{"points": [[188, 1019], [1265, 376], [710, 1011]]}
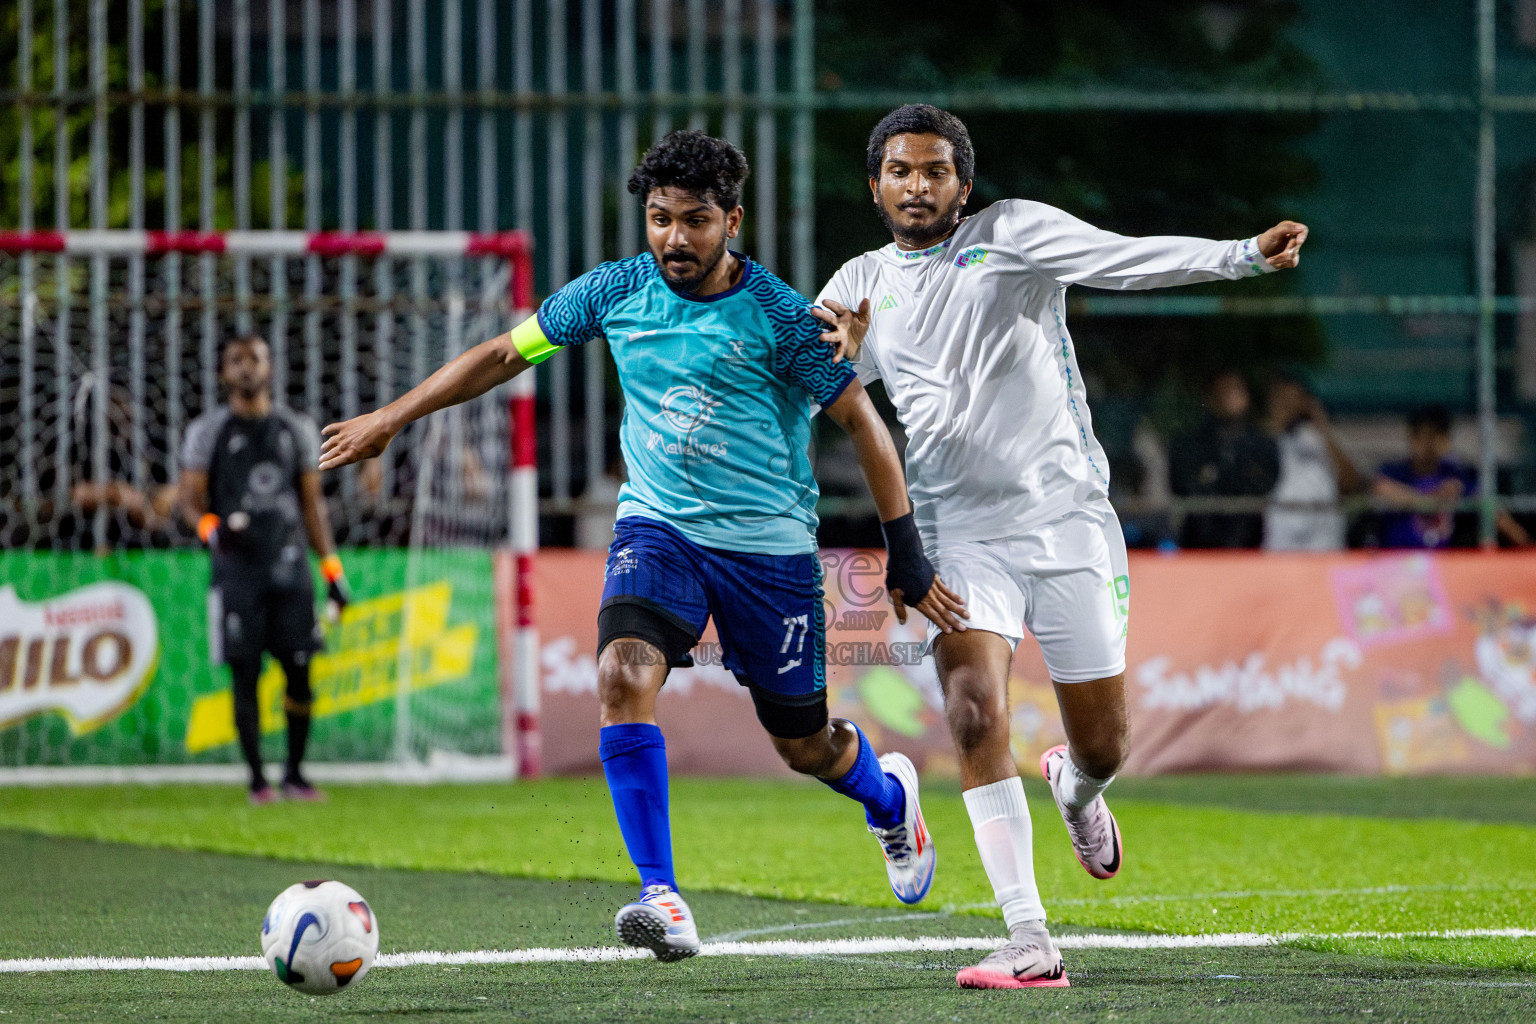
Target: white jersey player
{"points": [[1009, 486]]}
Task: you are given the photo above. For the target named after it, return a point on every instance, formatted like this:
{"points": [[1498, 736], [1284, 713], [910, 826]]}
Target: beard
{"points": [[248, 386], [690, 279], [921, 238]]}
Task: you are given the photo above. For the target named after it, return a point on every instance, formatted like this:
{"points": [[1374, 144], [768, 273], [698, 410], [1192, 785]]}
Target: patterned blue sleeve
{"points": [[574, 314], [800, 356]]}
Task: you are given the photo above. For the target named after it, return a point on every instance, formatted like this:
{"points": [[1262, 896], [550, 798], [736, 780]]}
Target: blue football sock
{"points": [[635, 763], [882, 796]]}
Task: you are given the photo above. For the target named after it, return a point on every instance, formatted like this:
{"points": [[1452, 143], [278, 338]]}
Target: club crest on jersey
{"points": [[623, 561], [970, 257], [889, 302], [687, 407]]}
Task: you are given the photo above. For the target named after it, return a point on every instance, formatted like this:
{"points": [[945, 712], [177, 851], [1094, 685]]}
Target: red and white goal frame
{"points": [[518, 652]]}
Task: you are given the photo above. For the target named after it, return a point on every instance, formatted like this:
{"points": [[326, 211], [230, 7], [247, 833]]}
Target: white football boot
{"points": [[909, 856], [659, 921], [1095, 835], [1029, 960]]}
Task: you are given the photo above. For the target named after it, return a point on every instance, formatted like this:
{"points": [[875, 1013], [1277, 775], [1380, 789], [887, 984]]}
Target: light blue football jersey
{"points": [[718, 393]]}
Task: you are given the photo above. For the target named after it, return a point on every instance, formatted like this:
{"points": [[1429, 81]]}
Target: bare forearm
{"points": [[1398, 492], [193, 497], [460, 380], [317, 525], [1343, 467], [876, 452], [882, 471], [1510, 527]]}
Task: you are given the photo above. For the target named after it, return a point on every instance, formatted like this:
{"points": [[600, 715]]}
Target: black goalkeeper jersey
{"points": [[254, 466]]}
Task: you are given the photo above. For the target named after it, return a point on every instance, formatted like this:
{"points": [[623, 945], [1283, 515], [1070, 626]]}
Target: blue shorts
{"points": [[767, 608]]}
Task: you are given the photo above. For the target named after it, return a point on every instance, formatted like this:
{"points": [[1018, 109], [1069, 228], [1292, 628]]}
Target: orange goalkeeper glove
{"points": [[337, 596]]}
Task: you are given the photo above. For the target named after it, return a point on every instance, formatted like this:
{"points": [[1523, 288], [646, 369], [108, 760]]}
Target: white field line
{"points": [[1240, 894], [825, 947], [438, 768], [1198, 897]]}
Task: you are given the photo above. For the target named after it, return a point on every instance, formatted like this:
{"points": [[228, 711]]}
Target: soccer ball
{"points": [[319, 937]]}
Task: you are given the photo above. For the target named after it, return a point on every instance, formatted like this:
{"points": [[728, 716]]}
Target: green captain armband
{"points": [[529, 340]]}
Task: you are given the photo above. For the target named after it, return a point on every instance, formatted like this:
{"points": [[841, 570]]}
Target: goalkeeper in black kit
{"points": [[251, 487]]}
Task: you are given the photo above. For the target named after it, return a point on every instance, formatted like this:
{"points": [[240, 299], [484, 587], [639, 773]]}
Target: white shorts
{"points": [[1066, 582]]}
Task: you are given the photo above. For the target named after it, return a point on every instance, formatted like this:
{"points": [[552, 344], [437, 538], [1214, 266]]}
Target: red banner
{"points": [[1368, 664]]}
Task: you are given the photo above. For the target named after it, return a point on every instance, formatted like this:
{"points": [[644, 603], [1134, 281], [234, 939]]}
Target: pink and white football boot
{"points": [[1095, 836], [1029, 960]]}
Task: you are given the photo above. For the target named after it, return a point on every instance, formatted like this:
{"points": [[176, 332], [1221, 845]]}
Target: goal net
{"points": [[110, 350]]}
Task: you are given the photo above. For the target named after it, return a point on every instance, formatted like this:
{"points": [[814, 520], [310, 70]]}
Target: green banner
{"points": [[104, 661]]}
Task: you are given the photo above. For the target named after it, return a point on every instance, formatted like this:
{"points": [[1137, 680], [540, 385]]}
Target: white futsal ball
{"points": [[319, 937]]}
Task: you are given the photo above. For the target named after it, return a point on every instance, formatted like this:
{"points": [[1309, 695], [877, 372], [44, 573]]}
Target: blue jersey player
{"points": [[721, 365]]}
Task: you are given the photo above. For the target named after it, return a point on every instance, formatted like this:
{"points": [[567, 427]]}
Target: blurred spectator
{"points": [[1313, 471], [1427, 485], [1227, 456]]}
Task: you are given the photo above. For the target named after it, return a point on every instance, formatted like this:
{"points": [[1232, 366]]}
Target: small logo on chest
{"points": [[971, 257], [889, 302]]}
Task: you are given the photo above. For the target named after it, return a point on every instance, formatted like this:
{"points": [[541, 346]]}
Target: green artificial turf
{"points": [[1189, 868], [1178, 987], [1460, 797], [64, 896]]}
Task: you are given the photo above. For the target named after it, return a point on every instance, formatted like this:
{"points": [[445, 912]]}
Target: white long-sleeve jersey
{"points": [[971, 340]]}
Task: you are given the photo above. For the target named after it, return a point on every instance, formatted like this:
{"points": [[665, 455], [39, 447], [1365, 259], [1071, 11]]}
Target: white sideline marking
{"points": [[950, 910], [1239, 894], [825, 947], [439, 767], [842, 922]]}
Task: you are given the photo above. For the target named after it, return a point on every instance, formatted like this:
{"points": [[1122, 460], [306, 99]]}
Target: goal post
{"points": [[111, 348]]}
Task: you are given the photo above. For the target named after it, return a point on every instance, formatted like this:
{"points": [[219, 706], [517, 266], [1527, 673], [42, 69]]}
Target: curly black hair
{"points": [[710, 168], [922, 119]]}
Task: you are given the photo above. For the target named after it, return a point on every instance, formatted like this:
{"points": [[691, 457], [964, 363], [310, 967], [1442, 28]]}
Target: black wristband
{"points": [[907, 569]]}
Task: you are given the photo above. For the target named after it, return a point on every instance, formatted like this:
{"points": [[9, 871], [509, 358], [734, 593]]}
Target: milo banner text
{"points": [[104, 660], [1371, 664]]}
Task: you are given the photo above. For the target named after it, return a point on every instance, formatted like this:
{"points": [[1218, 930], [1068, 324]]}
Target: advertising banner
{"points": [[104, 661], [1390, 663]]}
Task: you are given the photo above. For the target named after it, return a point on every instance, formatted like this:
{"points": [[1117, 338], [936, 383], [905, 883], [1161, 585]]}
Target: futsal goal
{"points": [[109, 346]]}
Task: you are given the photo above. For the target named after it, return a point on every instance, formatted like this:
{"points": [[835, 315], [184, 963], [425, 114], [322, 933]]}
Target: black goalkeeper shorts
{"points": [[246, 619]]}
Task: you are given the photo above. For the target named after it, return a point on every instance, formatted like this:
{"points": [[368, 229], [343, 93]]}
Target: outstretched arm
{"points": [[1072, 251], [467, 377], [910, 578], [1281, 244]]}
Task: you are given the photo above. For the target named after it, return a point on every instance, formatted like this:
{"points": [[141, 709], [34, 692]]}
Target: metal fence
{"points": [[391, 114], [117, 355], [375, 114]]}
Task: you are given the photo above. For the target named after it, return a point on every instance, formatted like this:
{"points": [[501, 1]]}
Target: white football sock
{"points": [[1078, 789], [1001, 820]]}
